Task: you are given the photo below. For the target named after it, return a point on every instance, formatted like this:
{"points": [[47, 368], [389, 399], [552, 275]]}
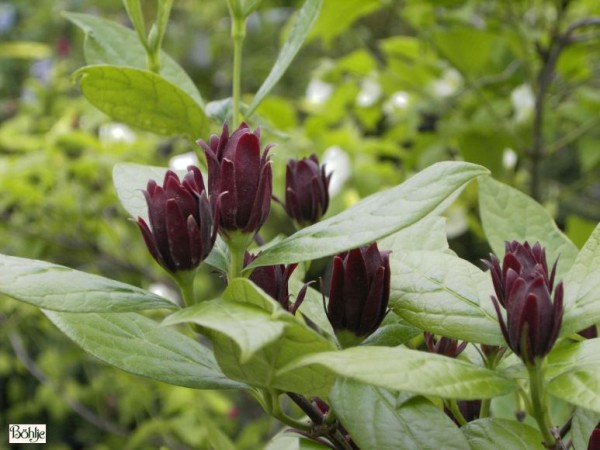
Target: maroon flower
{"points": [[182, 230], [360, 290], [524, 288], [444, 346], [274, 281], [306, 190], [240, 176]]}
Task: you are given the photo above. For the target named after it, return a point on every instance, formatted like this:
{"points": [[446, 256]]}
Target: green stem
{"points": [[453, 407], [238, 33], [185, 281], [485, 408], [538, 402], [238, 243]]}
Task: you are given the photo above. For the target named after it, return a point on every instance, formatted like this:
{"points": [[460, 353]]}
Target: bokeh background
{"points": [[381, 89]]}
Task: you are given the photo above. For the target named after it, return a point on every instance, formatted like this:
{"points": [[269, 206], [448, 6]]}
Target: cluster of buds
{"points": [[359, 292], [182, 228], [524, 288]]}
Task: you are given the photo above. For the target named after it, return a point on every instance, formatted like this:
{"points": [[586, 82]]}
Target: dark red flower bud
{"points": [[444, 346], [306, 190], [524, 288], [239, 176], [182, 231], [274, 281], [360, 290]]}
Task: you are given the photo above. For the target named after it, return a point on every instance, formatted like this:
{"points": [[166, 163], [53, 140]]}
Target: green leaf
{"points": [[427, 234], [107, 42], [444, 294], [142, 99], [130, 179], [466, 48], [385, 422], [584, 422], [492, 434], [582, 288], [337, 17], [303, 24], [402, 369], [254, 336], [312, 306], [134, 11], [392, 332], [376, 216], [60, 288], [574, 370], [507, 214], [140, 346], [249, 327]]}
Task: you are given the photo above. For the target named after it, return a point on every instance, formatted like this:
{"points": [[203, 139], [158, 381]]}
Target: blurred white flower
{"points": [[509, 158], [165, 291], [448, 84], [116, 132], [523, 102], [398, 101], [370, 92], [337, 162], [318, 92], [457, 222], [182, 161]]}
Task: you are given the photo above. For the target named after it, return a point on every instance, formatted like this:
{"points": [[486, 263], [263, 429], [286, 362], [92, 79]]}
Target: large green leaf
{"points": [[376, 216], [142, 99], [427, 234], [107, 42], [130, 179], [582, 288], [444, 294], [60, 288], [385, 421], [304, 22], [574, 370], [254, 336], [402, 369], [507, 214], [492, 434], [139, 345]]}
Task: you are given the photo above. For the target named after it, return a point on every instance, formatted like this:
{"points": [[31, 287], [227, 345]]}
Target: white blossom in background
{"points": [[182, 161], [457, 222], [509, 158], [165, 291], [337, 162], [523, 102], [398, 101], [116, 132], [318, 92], [370, 92], [448, 84]]}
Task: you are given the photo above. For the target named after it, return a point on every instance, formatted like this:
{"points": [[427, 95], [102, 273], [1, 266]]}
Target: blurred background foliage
{"points": [[382, 89]]}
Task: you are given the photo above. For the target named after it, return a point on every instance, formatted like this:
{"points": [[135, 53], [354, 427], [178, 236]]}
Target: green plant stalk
{"points": [[539, 404], [185, 281], [238, 243], [453, 407], [238, 33]]}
